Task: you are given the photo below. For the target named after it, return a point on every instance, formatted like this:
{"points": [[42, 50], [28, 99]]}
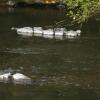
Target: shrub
{"points": [[80, 10]]}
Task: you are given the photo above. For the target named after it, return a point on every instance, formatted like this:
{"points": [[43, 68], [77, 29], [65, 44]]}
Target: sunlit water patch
{"points": [[34, 51]]}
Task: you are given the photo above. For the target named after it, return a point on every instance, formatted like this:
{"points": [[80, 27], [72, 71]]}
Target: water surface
{"points": [[67, 69]]}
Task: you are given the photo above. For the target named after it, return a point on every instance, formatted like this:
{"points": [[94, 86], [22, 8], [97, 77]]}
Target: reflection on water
{"points": [[60, 70]]}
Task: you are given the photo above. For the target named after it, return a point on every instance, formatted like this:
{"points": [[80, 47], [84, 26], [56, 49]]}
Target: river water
{"points": [[61, 69]]}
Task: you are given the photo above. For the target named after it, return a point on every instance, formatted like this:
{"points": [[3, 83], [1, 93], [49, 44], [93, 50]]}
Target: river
{"points": [[61, 69]]}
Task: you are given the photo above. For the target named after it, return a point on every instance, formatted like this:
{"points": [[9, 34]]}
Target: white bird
{"points": [[5, 77], [38, 30], [59, 31], [26, 31], [72, 33], [19, 78], [16, 78], [10, 3], [48, 32]]}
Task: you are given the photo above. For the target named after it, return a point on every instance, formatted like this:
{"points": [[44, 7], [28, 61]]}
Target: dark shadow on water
{"points": [[92, 26]]}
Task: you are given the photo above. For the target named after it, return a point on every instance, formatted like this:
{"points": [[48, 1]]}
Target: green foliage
{"points": [[80, 10]]}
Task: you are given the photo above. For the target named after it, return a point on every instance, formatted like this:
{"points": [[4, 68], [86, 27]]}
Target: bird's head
{"points": [[78, 31], [13, 28]]}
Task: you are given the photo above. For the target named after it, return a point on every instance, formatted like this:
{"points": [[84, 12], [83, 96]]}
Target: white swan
{"points": [[59, 31], [48, 32], [10, 3], [38, 30], [19, 78], [26, 31], [72, 33], [48, 36], [16, 78], [5, 77]]}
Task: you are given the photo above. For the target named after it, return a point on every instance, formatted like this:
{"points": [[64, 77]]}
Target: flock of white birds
{"points": [[39, 31]]}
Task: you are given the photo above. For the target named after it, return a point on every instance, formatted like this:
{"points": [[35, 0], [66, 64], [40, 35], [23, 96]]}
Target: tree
{"points": [[80, 10]]}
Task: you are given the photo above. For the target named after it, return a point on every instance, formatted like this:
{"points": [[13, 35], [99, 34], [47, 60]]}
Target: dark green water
{"points": [[66, 69]]}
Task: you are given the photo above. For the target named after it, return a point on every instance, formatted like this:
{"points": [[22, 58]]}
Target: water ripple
{"points": [[27, 51]]}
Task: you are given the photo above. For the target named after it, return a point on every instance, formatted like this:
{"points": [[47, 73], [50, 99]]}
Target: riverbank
{"points": [[45, 4]]}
